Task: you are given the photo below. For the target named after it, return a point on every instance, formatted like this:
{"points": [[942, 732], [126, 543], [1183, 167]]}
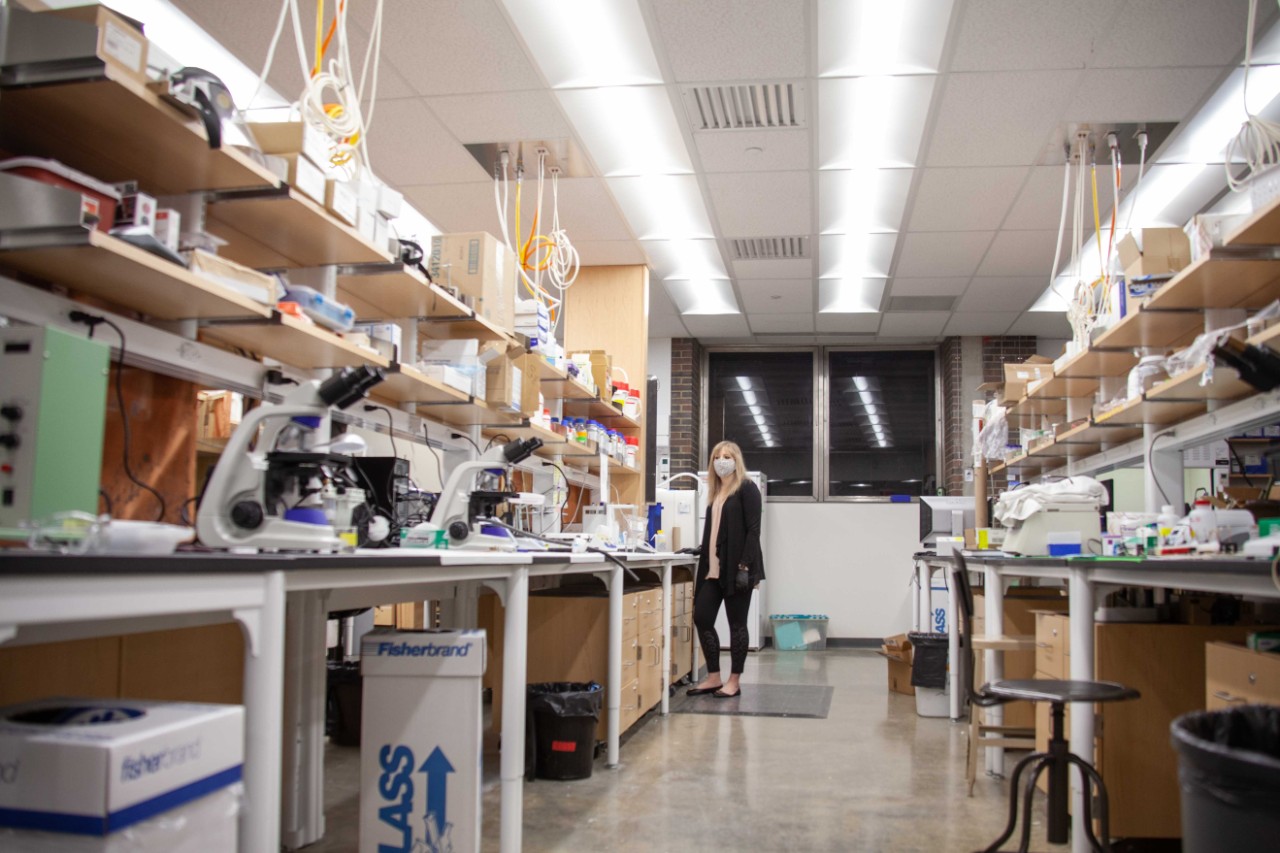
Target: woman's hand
{"points": [[742, 580]]}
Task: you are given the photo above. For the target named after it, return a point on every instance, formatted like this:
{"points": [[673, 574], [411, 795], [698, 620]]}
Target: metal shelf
{"points": [[271, 229], [113, 127], [100, 265], [289, 340]]}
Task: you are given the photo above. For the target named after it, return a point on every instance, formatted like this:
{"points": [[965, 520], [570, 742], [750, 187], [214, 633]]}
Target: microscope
{"points": [[467, 510], [273, 496]]}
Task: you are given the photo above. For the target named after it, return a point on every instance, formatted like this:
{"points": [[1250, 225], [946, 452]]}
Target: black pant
{"points": [[706, 605]]}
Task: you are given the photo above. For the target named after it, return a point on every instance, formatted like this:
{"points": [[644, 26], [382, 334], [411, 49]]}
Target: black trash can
{"points": [[343, 705], [1229, 773], [929, 660], [561, 722]]}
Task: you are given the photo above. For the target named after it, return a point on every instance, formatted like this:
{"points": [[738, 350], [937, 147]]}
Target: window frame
{"points": [[820, 491]]}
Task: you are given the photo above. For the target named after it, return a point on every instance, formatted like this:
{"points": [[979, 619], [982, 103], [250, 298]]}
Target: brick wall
{"points": [[686, 409], [1010, 349], [954, 419]]}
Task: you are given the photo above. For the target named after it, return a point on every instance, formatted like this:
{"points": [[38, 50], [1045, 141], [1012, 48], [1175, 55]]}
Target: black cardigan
{"points": [[738, 542]]}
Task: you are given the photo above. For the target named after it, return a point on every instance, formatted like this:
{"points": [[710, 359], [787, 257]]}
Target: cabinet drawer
{"points": [[1235, 675], [1052, 645]]}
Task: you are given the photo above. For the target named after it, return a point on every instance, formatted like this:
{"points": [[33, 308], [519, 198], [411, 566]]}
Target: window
{"points": [[763, 401], [873, 435], [881, 416]]}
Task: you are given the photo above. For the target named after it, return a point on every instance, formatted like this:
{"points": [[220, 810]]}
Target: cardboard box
{"points": [[257, 286], [342, 199], [1018, 376], [451, 376], [898, 652], [300, 173], [420, 739], [95, 766], [481, 267], [504, 384], [121, 43], [531, 387], [1161, 251], [286, 138]]}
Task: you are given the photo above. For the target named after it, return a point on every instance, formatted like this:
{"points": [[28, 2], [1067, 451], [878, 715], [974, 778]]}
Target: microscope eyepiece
{"points": [[520, 449], [349, 385]]}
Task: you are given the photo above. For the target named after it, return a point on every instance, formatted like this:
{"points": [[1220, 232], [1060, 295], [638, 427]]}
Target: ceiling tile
{"points": [[663, 207], [781, 323], [721, 40], [849, 323], [763, 204], [456, 207], [1008, 294], [731, 151], [964, 199], [606, 253], [941, 254], [1039, 206], [928, 286], [1013, 35], [1044, 324], [914, 323], [998, 119], [587, 211], [455, 47], [501, 116], [660, 303], [761, 295], [704, 326], [1140, 94], [773, 269], [667, 326], [685, 259], [1021, 253], [408, 146], [1153, 33], [985, 323]]}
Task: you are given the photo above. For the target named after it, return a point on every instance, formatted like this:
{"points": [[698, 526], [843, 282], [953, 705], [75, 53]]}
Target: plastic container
{"points": [[1229, 775], [631, 408], [799, 632], [633, 448], [326, 312], [620, 390], [561, 722]]}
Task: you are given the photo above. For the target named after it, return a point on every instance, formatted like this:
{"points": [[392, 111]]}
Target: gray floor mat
{"points": [[762, 700]]}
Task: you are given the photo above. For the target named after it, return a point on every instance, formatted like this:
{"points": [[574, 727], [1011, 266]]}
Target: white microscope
{"points": [[271, 497]]}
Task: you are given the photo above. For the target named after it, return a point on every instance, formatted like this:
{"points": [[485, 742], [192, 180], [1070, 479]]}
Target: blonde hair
{"points": [[729, 484]]}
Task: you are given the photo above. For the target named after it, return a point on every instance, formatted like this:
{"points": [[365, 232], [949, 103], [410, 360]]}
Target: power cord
{"points": [[426, 439], [1151, 448], [391, 434], [469, 439], [93, 321]]}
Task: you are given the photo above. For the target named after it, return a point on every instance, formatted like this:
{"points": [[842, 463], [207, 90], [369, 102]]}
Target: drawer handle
{"points": [[1227, 697], [1044, 645]]}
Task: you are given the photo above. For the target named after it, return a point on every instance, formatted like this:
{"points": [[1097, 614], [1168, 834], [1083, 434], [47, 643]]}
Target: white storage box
{"points": [[93, 767], [420, 740], [931, 702]]}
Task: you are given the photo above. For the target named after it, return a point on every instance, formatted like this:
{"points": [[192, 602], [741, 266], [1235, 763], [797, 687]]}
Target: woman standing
{"points": [[729, 566]]}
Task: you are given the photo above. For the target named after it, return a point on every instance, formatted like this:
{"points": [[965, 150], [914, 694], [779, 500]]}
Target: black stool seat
{"points": [[1053, 690]]}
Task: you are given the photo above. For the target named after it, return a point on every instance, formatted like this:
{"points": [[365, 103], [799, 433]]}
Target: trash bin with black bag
{"points": [[343, 703], [929, 673], [1229, 774], [561, 720]]}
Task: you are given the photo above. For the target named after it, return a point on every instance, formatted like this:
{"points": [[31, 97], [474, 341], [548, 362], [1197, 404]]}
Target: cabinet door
{"points": [[1235, 675]]}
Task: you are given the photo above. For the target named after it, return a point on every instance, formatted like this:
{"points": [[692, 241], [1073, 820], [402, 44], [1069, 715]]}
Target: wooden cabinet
{"points": [[681, 629], [1166, 664], [1235, 675], [1021, 604]]}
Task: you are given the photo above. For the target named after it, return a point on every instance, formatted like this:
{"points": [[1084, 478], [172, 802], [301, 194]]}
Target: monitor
{"points": [[945, 516]]}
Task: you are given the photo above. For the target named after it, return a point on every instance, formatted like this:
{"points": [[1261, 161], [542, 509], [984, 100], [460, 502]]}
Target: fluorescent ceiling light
{"points": [[704, 296], [755, 410], [850, 296], [861, 383], [750, 397], [862, 200], [854, 256], [744, 382], [860, 37], [1156, 201], [628, 130], [663, 207], [188, 44], [1204, 137], [872, 122], [685, 259], [582, 43]]}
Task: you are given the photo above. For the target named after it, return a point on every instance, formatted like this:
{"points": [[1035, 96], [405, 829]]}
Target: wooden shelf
{"points": [[1144, 411], [211, 446], [289, 340], [601, 412], [1092, 364], [393, 291], [1220, 282], [1148, 328], [1262, 228], [273, 229], [1099, 436], [1185, 387], [561, 387], [548, 374], [103, 266], [1062, 388], [1033, 407], [409, 385], [113, 128], [592, 463], [525, 430]]}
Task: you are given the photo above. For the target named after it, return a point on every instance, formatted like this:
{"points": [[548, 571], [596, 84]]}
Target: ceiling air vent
{"points": [[767, 106], [769, 248], [921, 303]]}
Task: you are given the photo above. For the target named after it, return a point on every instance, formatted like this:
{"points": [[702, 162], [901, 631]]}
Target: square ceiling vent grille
{"points": [[756, 106], [769, 248]]}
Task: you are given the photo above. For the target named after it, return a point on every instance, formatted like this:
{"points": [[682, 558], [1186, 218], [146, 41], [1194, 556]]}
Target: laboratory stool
{"points": [[988, 735], [1058, 759]]}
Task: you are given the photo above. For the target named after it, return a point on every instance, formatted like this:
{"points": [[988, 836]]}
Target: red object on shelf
{"points": [[100, 199]]}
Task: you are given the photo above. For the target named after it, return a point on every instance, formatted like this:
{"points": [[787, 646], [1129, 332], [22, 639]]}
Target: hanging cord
{"points": [[1142, 168], [1258, 141], [1062, 227]]}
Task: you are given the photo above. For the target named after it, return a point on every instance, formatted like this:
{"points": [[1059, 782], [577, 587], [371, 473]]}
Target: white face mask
{"points": [[725, 467]]}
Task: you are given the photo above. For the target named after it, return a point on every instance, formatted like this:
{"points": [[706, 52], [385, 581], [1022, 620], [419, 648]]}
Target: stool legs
{"points": [[1058, 820], [1013, 800]]}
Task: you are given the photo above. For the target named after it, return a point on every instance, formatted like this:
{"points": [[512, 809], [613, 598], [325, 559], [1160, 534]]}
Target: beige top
{"points": [[714, 559]]}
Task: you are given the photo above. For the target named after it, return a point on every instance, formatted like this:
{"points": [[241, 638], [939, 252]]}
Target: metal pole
{"points": [[615, 664], [515, 651], [1081, 595], [264, 705], [666, 637]]}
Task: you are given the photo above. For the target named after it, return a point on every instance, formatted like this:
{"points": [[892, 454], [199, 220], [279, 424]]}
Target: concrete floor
{"points": [[871, 777]]}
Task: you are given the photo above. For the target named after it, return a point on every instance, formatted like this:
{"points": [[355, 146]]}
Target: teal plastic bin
{"points": [[794, 632]]}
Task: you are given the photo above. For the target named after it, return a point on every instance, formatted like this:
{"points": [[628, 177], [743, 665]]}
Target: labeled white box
{"points": [[420, 740], [343, 201], [92, 767]]}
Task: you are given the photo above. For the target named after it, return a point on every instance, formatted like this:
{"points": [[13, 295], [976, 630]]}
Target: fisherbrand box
{"points": [[95, 766], [420, 741]]}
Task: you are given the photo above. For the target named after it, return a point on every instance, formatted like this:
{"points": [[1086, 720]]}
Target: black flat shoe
{"points": [[700, 691], [720, 694]]}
